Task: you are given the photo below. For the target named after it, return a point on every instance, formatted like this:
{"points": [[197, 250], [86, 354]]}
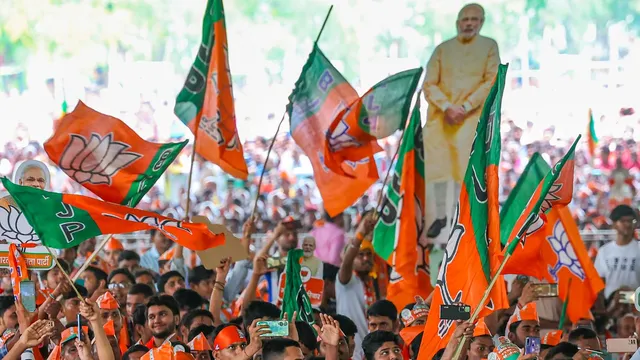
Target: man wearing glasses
{"points": [[120, 280], [618, 262]]}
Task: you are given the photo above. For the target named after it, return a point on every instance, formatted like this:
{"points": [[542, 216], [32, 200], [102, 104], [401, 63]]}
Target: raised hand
{"points": [[255, 333], [36, 333], [330, 330]]}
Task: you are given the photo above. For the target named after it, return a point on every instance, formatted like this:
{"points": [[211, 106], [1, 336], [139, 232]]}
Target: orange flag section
{"points": [[461, 280], [206, 100], [557, 253], [103, 154]]}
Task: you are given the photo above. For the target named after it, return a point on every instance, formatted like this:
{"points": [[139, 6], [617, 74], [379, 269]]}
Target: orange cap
{"points": [[168, 255], [552, 338], [181, 355], [228, 336], [481, 329], [114, 244], [71, 333], [528, 313], [199, 343], [106, 301], [109, 328], [164, 352]]}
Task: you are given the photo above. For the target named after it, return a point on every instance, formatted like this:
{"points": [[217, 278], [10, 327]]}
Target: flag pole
{"points": [[386, 177], [55, 258], [273, 141], [193, 158], [93, 255]]}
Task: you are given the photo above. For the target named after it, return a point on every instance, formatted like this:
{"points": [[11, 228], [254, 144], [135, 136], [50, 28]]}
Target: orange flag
{"points": [[472, 253], [321, 93], [103, 154], [556, 252], [206, 100]]}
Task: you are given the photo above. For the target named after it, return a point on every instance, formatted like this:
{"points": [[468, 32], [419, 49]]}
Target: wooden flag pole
{"points": [[91, 257], [273, 141], [193, 158], [55, 258]]}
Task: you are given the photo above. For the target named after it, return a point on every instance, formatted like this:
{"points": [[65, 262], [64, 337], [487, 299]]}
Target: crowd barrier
{"points": [[140, 241]]}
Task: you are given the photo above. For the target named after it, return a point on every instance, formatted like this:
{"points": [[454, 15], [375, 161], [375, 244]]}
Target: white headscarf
{"points": [[28, 164]]}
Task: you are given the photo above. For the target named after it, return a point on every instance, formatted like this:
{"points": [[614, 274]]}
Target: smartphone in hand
{"points": [[28, 295], [532, 345]]}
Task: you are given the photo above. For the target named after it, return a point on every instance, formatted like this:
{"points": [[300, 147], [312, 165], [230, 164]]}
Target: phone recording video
{"points": [[455, 312]]}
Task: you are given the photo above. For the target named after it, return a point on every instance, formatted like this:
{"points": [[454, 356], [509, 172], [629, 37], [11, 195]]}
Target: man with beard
{"points": [[355, 291], [163, 316]]}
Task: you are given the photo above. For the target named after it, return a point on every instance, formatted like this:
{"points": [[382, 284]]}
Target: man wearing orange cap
{"points": [[110, 311], [200, 348], [112, 250], [523, 323], [481, 343]]}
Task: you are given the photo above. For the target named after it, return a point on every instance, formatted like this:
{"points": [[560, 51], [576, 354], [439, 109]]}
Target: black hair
{"points": [[162, 263], [164, 278], [274, 349], [139, 315], [124, 272], [259, 309], [63, 263], [415, 345], [144, 272], [206, 330], [347, 325], [98, 273], [383, 308], [372, 342], [199, 274], [581, 333], [237, 321], [128, 255], [164, 300], [438, 354], [141, 289], [564, 348], [71, 294], [5, 303], [514, 326], [188, 299], [621, 211], [188, 318], [329, 272], [134, 348], [307, 336]]}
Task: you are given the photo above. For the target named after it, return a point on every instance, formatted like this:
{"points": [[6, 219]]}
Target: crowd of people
{"points": [[164, 304]]}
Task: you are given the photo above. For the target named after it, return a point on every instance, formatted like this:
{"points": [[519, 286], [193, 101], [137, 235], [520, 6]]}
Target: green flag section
{"points": [[379, 113], [206, 104], [592, 138], [473, 250], [295, 296], [320, 94], [519, 197], [556, 189], [63, 221], [399, 235], [107, 157]]}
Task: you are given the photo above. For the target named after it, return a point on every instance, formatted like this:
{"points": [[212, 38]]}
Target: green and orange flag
{"points": [[107, 157], [206, 103], [472, 254], [555, 252], [63, 220], [399, 236], [379, 113], [320, 94], [554, 190], [592, 138]]}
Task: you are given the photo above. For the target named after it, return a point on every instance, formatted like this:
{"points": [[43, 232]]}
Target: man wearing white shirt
{"points": [[618, 262]]}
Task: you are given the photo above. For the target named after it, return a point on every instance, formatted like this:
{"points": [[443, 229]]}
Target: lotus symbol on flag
{"points": [[567, 257], [15, 228], [95, 161]]}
